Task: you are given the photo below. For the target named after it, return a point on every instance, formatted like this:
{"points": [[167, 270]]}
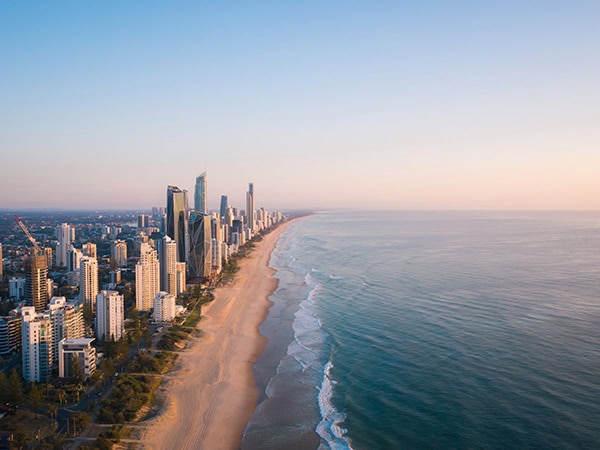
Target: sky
{"points": [[321, 104]]}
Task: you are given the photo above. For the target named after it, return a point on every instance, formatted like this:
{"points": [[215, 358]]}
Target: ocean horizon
{"points": [[421, 329]]}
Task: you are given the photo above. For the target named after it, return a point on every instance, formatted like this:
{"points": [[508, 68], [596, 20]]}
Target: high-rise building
{"points": [[177, 220], [147, 278], [10, 333], [250, 207], [48, 253], [167, 256], [109, 315], [118, 252], [143, 221], [88, 282], [224, 206], [74, 256], [16, 288], [36, 282], [65, 235], [181, 277], [67, 320], [78, 351], [200, 259], [1, 262], [200, 196], [37, 342], [90, 249], [164, 307]]}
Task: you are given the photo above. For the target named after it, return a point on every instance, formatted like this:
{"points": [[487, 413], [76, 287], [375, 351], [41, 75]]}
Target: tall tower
{"points": [[223, 210], [88, 282], [167, 256], [109, 316], [250, 206], [199, 263], [1, 261], [65, 235], [36, 282], [200, 198], [37, 345], [147, 278], [177, 223]]}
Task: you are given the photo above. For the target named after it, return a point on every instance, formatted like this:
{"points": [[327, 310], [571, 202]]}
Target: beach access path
{"points": [[212, 396]]}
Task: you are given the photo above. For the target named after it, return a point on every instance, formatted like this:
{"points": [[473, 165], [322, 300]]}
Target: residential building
{"points": [[164, 307], [16, 288], [110, 315], [200, 259], [147, 278], [118, 252], [90, 249], [37, 343], [200, 195], [36, 282], [167, 256], [80, 351], [65, 235], [177, 220], [88, 282], [10, 333]]}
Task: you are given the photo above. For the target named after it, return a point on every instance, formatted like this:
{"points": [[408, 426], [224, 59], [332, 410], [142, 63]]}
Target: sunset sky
{"points": [[375, 105]]}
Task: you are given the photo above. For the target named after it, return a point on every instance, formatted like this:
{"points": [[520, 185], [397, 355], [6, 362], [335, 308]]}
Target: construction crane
{"points": [[38, 249]]}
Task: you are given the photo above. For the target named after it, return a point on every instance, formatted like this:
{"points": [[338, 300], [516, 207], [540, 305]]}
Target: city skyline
{"points": [[336, 105]]}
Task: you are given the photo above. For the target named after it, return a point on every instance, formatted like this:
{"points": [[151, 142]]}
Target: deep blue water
{"points": [[434, 330]]}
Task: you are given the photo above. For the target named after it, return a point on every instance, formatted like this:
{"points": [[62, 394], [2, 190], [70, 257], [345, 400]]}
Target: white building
{"points": [[181, 278], [167, 255], [118, 252], [147, 278], [109, 315], [82, 350], [164, 307], [16, 288], [65, 235], [88, 282], [74, 256], [67, 320], [37, 344], [90, 249]]}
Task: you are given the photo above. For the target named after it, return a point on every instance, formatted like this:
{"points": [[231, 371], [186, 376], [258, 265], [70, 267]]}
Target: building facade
{"points": [[37, 345], [110, 315], [76, 351], [177, 220], [164, 307], [147, 278]]}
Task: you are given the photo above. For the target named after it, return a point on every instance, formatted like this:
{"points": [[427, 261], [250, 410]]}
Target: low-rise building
{"points": [[79, 351]]}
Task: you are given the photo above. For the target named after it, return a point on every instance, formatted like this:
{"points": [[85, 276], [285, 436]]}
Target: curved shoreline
{"points": [[213, 395]]}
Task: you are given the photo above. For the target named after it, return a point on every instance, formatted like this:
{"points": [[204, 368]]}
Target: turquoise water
{"points": [[433, 330]]}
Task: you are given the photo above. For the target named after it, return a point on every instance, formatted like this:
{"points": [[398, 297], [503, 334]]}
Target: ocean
{"points": [[433, 330]]}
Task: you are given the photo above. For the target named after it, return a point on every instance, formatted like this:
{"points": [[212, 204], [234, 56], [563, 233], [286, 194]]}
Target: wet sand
{"points": [[211, 398]]}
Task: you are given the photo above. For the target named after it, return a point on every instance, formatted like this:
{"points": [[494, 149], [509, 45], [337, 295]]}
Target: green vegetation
{"points": [[172, 338], [146, 363], [127, 397]]}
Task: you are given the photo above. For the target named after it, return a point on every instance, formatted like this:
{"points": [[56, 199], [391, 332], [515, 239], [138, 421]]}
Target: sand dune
{"points": [[212, 397]]}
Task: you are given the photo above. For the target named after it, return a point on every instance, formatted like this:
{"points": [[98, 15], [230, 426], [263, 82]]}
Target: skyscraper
{"points": [[167, 256], [200, 259], [88, 282], [250, 206], [118, 252], [90, 249], [147, 278], [1, 262], [223, 209], [109, 315], [65, 235], [36, 282], [37, 343], [200, 198], [177, 223]]}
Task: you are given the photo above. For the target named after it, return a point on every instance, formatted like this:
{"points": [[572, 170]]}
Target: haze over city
{"points": [[381, 105]]}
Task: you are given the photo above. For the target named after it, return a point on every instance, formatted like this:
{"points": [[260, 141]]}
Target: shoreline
{"points": [[213, 393]]}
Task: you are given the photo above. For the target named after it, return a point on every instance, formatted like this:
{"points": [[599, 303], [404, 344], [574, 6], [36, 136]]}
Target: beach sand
{"points": [[211, 398]]}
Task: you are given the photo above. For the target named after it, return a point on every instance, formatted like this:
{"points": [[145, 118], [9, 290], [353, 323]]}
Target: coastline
{"points": [[213, 394]]}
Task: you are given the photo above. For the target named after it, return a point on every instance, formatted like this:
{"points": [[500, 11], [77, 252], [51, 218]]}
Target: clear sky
{"points": [[363, 104]]}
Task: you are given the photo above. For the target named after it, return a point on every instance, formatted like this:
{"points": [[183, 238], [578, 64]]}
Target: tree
{"points": [[4, 389], [35, 397], [15, 387], [75, 369]]}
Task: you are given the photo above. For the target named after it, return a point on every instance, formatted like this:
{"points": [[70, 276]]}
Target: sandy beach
{"points": [[213, 395]]}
